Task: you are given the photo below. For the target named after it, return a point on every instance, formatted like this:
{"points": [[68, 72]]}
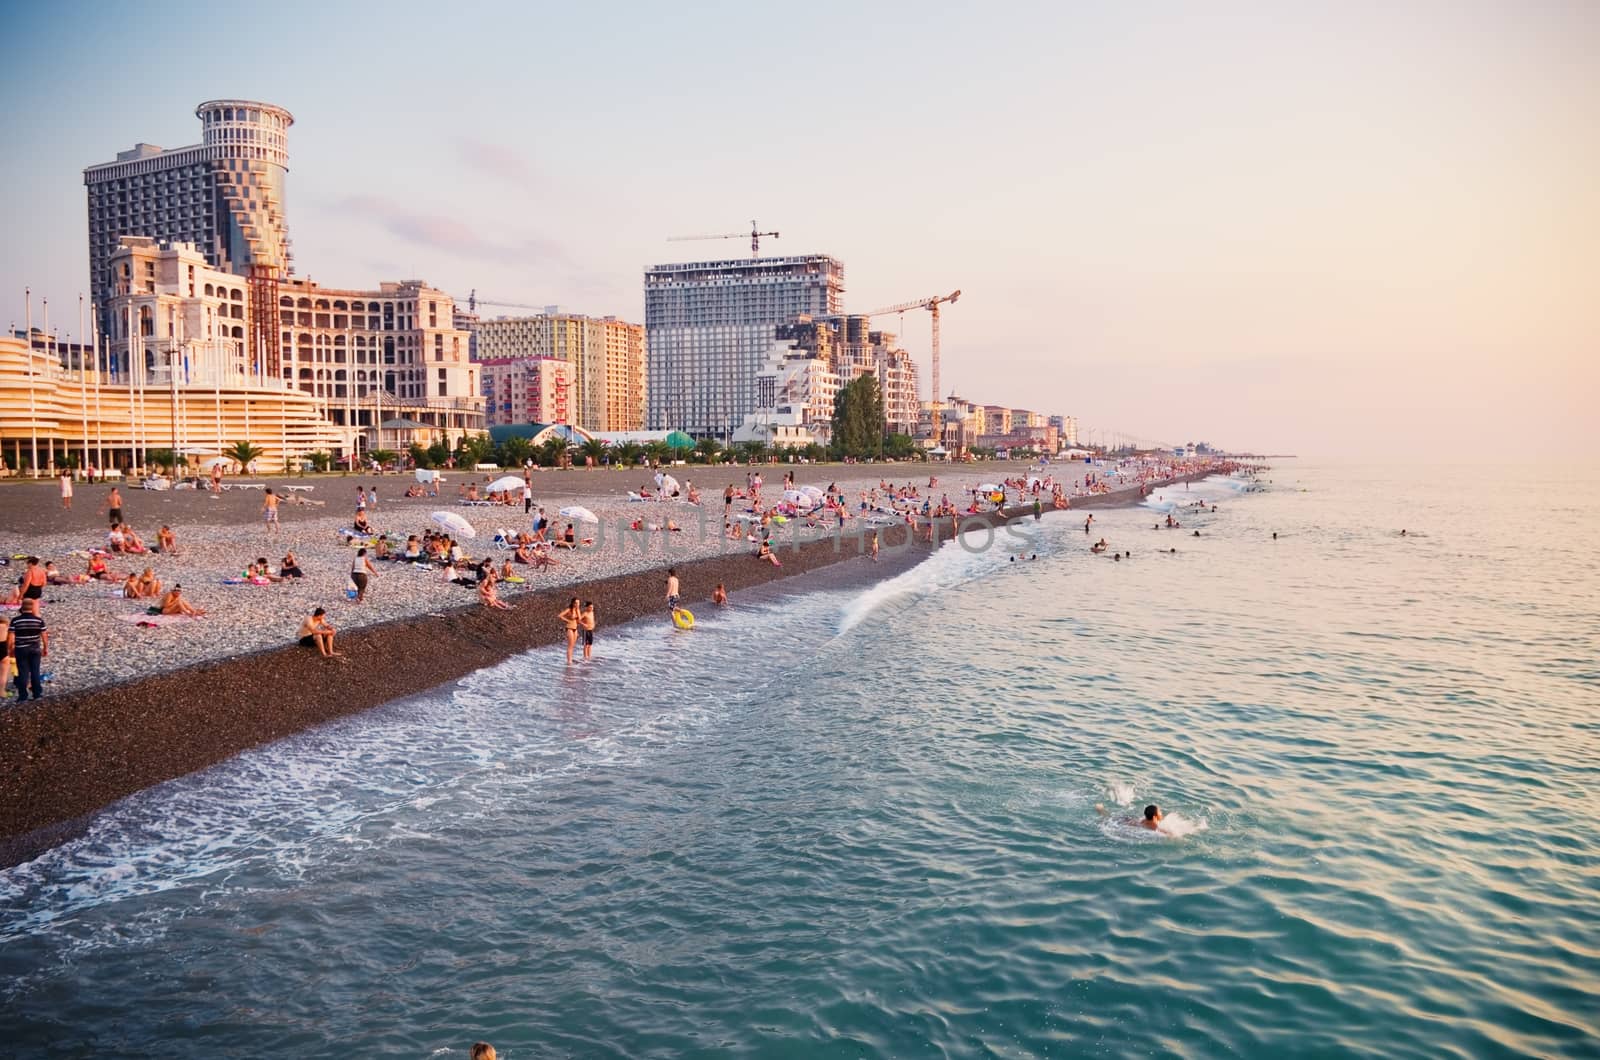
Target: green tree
{"points": [[438, 453], [164, 459], [515, 451], [474, 449], [243, 453], [552, 451], [658, 451], [708, 448], [421, 456], [320, 459], [629, 453], [858, 424], [900, 446], [595, 449]]}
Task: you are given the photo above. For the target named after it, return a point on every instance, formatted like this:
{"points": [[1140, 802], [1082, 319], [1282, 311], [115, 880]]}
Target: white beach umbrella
{"points": [[506, 482], [667, 483], [578, 512], [816, 492], [454, 523]]}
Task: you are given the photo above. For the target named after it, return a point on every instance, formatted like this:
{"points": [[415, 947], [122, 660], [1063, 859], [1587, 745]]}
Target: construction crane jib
{"points": [[932, 306], [755, 234]]}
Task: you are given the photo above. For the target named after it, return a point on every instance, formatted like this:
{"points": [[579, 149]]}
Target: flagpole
{"points": [[99, 384], [83, 383], [33, 418]]}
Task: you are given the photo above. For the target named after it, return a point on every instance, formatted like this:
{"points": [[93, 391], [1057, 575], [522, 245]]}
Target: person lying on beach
{"points": [[53, 576], [174, 604], [264, 571], [317, 632]]}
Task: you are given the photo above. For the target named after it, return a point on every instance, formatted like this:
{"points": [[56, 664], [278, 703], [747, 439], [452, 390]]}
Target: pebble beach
{"points": [[96, 642]]}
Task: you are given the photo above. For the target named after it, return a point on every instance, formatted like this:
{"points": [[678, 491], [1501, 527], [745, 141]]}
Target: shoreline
{"points": [[70, 756]]}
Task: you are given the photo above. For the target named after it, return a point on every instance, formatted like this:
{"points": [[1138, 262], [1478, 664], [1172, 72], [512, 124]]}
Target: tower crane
{"points": [[932, 305], [473, 302], [755, 238]]}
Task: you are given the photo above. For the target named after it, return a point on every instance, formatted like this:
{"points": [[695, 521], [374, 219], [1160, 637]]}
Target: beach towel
{"points": [[139, 618]]}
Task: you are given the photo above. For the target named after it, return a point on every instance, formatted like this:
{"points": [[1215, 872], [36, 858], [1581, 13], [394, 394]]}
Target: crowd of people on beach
{"points": [[753, 514]]}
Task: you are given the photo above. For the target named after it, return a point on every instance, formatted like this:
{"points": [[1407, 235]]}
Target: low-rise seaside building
{"points": [[52, 416]]}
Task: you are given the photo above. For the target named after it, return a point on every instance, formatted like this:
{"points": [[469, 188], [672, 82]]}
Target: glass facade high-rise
{"points": [[709, 325]]}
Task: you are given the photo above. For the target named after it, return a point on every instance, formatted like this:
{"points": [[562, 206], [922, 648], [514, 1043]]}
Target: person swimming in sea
{"points": [[1151, 820]]}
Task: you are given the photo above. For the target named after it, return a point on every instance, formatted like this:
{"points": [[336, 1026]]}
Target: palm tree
{"points": [[163, 459], [551, 451], [657, 451], [383, 456], [321, 459], [629, 453], [515, 451], [708, 448], [244, 454], [595, 449]]}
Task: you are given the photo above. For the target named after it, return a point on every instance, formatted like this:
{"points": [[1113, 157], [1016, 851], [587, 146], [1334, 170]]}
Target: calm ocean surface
{"points": [[862, 822]]}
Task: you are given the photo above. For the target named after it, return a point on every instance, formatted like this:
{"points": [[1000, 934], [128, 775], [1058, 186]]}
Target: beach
{"points": [[131, 706]]}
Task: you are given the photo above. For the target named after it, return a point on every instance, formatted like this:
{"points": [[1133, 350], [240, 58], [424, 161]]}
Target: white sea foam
{"points": [[1177, 825], [1121, 793]]}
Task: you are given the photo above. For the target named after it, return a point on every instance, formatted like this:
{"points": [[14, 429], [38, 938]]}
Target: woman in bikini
{"points": [[571, 618]]}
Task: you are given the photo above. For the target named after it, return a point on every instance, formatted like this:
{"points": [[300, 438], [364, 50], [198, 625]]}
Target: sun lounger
{"points": [[300, 489]]}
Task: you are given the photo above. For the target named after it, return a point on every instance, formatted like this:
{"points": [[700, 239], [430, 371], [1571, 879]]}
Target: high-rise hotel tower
{"points": [[224, 195]]}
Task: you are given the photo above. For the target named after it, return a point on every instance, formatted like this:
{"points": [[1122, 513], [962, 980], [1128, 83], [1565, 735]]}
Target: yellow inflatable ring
{"points": [[683, 618]]}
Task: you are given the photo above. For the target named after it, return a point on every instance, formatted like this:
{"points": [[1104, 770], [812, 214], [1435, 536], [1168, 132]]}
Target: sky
{"points": [[1338, 229]]}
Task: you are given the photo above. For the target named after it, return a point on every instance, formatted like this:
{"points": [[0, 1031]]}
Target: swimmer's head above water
{"points": [[1152, 816]]}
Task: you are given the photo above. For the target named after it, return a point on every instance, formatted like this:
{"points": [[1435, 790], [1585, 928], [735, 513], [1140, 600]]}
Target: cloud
{"points": [[438, 232], [496, 160]]}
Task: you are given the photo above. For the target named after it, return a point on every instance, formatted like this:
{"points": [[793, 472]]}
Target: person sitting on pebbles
{"points": [[149, 584], [174, 604], [317, 632]]}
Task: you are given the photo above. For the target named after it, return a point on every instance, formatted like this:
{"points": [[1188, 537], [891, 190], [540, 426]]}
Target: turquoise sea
{"points": [[861, 821]]}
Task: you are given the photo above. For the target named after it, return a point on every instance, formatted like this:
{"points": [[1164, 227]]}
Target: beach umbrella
{"points": [[990, 487], [813, 491], [679, 440], [668, 483], [796, 497], [578, 512], [506, 482], [454, 523]]}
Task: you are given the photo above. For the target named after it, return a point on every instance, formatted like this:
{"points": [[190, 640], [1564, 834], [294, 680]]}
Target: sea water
{"points": [[899, 820]]}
